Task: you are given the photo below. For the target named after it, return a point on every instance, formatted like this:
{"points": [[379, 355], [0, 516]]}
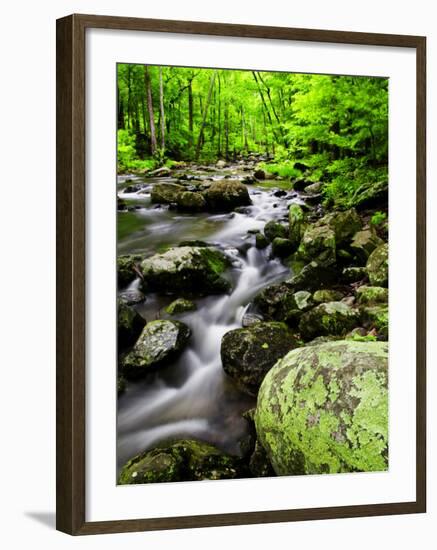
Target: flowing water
{"points": [[193, 397]]}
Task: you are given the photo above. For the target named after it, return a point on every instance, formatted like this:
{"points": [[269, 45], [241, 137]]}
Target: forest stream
{"points": [[193, 397]]}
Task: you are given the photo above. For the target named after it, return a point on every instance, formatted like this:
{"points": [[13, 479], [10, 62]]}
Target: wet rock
{"points": [[300, 184], [314, 188], [160, 342], [129, 325], [189, 201], [195, 243], [249, 180], [353, 274], [121, 385], [162, 172], [314, 276], [131, 296], [275, 301], [121, 205], [296, 220], [364, 243], [327, 295], [377, 266], [132, 188], [183, 460], [180, 305], [188, 269], [376, 317], [259, 174], [282, 247], [225, 195], [127, 266], [250, 319], [324, 409], [318, 244], [274, 229], [371, 295], [330, 318], [259, 463], [301, 166], [249, 353], [220, 164], [344, 224], [303, 300], [280, 193], [166, 193]]}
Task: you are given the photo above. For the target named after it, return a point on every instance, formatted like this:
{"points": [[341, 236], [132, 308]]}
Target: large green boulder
{"points": [[318, 244], [314, 276], [188, 269], [127, 266], [226, 195], [344, 224], [328, 319], [182, 460], [159, 343], [166, 193], [296, 220], [324, 409], [189, 201], [181, 305], [364, 243], [327, 295], [377, 266], [282, 247], [129, 324], [274, 229], [249, 353]]}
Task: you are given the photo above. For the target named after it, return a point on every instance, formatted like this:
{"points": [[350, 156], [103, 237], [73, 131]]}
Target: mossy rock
{"points": [[189, 201], [249, 353], [180, 305], [261, 241], [182, 460], [276, 301], [166, 193], [318, 244], [371, 195], [313, 276], [353, 274], [274, 229], [159, 343], [377, 266], [327, 295], [129, 325], [331, 318], [371, 295], [376, 317], [225, 195], [364, 243], [126, 268], [314, 188], [296, 221], [324, 409], [131, 296], [282, 247], [344, 224], [187, 269], [259, 463]]}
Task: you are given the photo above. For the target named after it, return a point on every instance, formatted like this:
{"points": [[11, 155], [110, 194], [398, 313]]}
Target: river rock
{"points": [[314, 188], [353, 274], [330, 318], [166, 193], [250, 319], [376, 316], [131, 296], [344, 224], [274, 229], [160, 342], [318, 243], [327, 295], [189, 201], [261, 241], [249, 180], [259, 463], [275, 300], [377, 266], [196, 270], [182, 460], [324, 409], [121, 385], [314, 276], [220, 164], [225, 195], [126, 268], [180, 305], [296, 220], [129, 324], [371, 195], [371, 295], [282, 247], [162, 172], [259, 174], [249, 353], [364, 243]]}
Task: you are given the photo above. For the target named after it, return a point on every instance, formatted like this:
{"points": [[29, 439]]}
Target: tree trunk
{"points": [[205, 113], [161, 109], [148, 85], [190, 114]]}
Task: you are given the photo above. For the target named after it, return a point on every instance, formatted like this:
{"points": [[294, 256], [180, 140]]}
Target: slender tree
{"points": [[148, 85], [204, 115]]}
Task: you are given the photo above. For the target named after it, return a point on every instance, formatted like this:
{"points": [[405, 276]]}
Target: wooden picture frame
{"points": [[71, 253]]}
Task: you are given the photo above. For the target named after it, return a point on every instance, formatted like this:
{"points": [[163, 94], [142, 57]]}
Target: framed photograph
{"points": [[240, 274]]}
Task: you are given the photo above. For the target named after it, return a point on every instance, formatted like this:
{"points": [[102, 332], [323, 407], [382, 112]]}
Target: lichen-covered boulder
{"points": [[225, 195], [377, 266], [318, 243], [126, 268], [189, 201], [274, 229], [371, 295], [249, 353], [129, 324], [182, 460], [160, 342], [282, 247], [376, 317], [166, 193], [196, 270], [313, 276], [364, 243], [330, 318], [296, 220], [180, 305], [344, 224], [324, 409], [327, 295]]}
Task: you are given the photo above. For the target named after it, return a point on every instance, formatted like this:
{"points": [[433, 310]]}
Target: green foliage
{"points": [[378, 219], [283, 169]]}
